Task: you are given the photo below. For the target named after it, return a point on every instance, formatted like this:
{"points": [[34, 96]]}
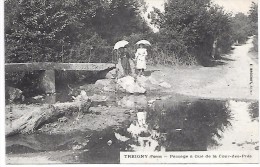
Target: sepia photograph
{"points": [[131, 81]]}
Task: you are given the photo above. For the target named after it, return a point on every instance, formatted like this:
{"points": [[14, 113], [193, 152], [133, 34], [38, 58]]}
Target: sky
{"points": [[233, 6]]}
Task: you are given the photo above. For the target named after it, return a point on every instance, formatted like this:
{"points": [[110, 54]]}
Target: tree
{"points": [[119, 18], [193, 25], [241, 28], [253, 18], [221, 30], [37, 29]]}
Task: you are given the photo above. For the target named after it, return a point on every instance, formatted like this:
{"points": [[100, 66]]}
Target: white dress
{"points": [[140, 57]]}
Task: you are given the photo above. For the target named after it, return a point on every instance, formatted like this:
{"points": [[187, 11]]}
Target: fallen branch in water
{"points": [[33, 120]]}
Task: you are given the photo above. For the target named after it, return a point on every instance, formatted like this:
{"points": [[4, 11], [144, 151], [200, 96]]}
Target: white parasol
{"points": [[120, 44], [145, 42]]}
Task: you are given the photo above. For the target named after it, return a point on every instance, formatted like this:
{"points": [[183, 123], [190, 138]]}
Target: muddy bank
{"points": [[61, 118], [97, 119], [100, 112]]}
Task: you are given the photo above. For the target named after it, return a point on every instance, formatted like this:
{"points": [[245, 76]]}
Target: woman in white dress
{"points": [[140, 58]]}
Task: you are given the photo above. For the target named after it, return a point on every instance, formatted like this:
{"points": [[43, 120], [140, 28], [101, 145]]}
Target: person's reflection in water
{"points": [[147, 139], [133, 102], [179, 126]]}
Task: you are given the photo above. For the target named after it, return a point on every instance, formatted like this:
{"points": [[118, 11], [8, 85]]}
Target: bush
{"points": [[161, 51]]}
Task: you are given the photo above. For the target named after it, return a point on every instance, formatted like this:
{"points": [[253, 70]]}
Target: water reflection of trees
{"points": [[253, 110], [189, 125]]}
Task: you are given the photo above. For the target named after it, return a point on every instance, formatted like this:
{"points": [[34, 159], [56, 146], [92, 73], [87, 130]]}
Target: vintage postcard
{"points": [[131, 82]]}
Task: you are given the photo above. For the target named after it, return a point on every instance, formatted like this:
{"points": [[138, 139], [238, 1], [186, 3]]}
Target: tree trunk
{"points": [[214, 49], [31, 121]]}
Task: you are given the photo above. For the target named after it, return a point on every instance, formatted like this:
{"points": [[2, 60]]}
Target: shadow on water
{"points": [[164, 125], [190, 126]]}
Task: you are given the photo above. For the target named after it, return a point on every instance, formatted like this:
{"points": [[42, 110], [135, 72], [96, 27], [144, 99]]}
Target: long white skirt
{"points": [[140, 64]]}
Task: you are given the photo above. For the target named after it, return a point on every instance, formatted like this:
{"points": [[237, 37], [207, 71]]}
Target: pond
{"points": [[167, 124]]}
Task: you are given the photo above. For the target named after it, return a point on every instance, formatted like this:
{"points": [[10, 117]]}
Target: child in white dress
{"points": [[140, 58]]}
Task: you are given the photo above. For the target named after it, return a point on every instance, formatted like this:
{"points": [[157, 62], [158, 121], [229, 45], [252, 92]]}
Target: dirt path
{"points": [[230, 80]]}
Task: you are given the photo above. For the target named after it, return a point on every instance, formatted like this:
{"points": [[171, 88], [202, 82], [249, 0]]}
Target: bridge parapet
{"points": [[48, 76], [14, 67]]}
